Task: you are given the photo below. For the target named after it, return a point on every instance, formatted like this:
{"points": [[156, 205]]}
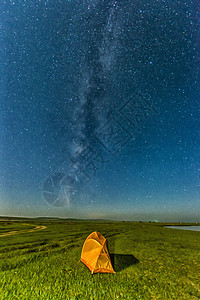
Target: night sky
{"points": [[99, 115]]}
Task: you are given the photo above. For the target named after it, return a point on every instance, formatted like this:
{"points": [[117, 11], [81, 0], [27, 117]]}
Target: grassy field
{"points": [[151, 262]]}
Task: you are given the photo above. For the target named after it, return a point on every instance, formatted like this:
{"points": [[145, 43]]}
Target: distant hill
{"points": [[8, 218]]}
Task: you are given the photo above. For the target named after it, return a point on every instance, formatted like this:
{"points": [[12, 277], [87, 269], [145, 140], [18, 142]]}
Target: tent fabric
{"points": [[95, 254]]}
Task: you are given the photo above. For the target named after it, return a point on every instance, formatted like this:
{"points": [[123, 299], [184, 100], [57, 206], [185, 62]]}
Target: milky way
{"points": [[102, 26]]}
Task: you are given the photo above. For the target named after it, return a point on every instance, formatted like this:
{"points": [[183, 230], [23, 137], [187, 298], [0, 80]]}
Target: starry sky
{"points": [[100, 109]]}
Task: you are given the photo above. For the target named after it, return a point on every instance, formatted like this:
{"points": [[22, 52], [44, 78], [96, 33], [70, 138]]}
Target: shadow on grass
{"points": [[122, 261]]}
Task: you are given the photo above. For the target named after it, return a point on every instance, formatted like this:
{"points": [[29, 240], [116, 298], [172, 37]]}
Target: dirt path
{"points": [[23, 231]]}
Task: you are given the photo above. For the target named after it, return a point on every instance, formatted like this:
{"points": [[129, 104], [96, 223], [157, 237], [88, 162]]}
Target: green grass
{"points": [[151, 262], [11, 226]]}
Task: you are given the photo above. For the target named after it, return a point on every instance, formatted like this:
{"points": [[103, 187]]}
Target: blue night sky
{"points": [[100, 109]]}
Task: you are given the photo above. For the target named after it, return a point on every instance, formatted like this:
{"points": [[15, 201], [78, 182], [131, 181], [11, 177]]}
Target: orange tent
{"points": [[95, 254]]}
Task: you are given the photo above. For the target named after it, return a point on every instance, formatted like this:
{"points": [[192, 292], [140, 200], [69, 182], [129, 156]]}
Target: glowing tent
{"points": [[95, 254]]}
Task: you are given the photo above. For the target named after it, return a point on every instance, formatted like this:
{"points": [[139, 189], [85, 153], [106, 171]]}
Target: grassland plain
{"points": [[151, 261]]}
